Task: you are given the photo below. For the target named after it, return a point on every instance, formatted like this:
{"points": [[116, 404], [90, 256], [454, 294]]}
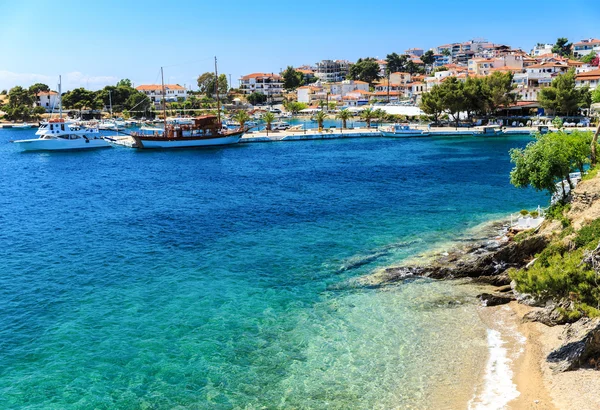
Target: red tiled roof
{"points": [[590, 75], [591, 41], [154, 87], [46, 93], [261, 75]]}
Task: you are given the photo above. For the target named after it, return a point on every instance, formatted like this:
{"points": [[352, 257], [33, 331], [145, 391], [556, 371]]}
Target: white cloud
{"points": [[71, 80]]}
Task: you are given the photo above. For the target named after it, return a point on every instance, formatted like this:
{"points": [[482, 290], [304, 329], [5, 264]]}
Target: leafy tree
{"points": [[446, 53], [292, 79], [138, 101], [428, 57], [432, 104], [452, 93], [365, 69], [268, 118], [562, 47], [37, 87], [20, 104], [125, 82], [396, 63], [476, 96], [78, 98], [548, 160], [256, 98], [3, 92], [320, 117], [206, 83], [241, 117], [588, 58], [344, 115], [368, 115], [413, 68], [500, 88], [562, 97], [295, 107], [596, 95]]}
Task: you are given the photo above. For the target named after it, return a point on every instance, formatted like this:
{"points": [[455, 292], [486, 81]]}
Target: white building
{"points": [[589, 78], [332, 70], [268, 84], [48, 100], [585, 47], [173, 92], [542, 49]]}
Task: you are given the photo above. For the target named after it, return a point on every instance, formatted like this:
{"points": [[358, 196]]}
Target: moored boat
{"points": [[59, 135], [205, 131], [401, 131]]}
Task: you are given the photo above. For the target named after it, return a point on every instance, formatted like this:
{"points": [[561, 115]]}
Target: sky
{"points": [[96, 43]]}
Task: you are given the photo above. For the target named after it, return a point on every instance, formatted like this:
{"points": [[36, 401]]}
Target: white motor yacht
{"points": [[57, 134]]}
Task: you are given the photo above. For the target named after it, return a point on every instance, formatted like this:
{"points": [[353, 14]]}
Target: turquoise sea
{"points": [[223, 278]]}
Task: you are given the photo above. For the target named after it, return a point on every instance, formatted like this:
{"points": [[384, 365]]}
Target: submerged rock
{"points": [[495, 299], [580, 347]]}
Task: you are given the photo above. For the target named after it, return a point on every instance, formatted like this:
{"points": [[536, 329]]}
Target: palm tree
{"points": [[368, 115], [241, 117], [344, 115], [268, 118], [380, 114], [320, 117]]}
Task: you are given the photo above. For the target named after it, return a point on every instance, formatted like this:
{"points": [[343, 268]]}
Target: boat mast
{"points": [[162, 79], [60, 96], [217, 92]]}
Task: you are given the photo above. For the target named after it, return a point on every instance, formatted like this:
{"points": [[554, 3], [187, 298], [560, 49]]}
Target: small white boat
{"points": [[23, 126], [401, 131], [58, 135], [491, 130]]}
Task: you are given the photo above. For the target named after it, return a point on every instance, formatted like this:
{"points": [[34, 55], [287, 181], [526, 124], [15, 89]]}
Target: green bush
{"points": [[588, 236], [558, 276], [524, 212], [534, 214], [557, 212]]}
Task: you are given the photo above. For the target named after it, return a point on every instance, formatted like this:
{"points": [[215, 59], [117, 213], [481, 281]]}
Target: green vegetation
{"points": [[559, 271], [368, 116], [320, 117], [549, 160], [344, 115], [292, 79], [207, 86], [295, 107], [268, 118], [559, 274], [256, 98], [562, 97], [241, 117], [562, 47], [365, 69], [475, 96]]}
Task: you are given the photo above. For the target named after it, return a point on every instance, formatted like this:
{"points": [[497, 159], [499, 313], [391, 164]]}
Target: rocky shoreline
{"points": [[562, 350]]}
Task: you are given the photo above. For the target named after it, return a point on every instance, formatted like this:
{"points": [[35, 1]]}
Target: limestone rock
{"points": [[581, 342], [495, 299]]}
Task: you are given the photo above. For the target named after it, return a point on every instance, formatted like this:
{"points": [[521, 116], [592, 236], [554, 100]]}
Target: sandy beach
{"points": [[527, 345]]}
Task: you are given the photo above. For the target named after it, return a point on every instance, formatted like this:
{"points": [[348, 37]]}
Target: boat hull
{"points": [[60, 144], [404, 134], [186, 142]]}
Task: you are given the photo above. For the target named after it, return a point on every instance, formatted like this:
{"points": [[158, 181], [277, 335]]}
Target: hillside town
{"points": [[398, 79]]}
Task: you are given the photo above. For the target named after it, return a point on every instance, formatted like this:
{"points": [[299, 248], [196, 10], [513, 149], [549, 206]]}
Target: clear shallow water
{"points": [[220, 278]]}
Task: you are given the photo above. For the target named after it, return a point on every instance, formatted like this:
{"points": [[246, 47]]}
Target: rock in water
{"points": [[581, 343], [495, 299]]}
